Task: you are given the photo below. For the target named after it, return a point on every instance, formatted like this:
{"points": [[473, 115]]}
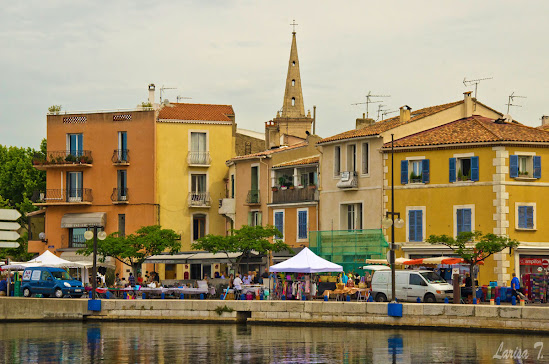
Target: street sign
{"points": [[545, 263], [9, 215], [9, 244], [4, 225], [9, 235]]}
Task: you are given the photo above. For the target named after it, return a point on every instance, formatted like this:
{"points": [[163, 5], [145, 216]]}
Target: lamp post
{"points": [[88, 235], [391, 222]]}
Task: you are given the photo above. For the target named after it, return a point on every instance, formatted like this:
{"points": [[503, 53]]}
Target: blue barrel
{"points": [[418, 300], [498, 301], [514, 300], [243, 297], [143, 296], [283, 298], [370, 299], [446, 300], [181, 296], [348, 298], [162, 296], [474, 301], [325, 298], [202, 296], [125, 296]]}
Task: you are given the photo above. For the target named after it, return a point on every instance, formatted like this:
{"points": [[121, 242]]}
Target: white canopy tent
{"points": [[48, 259], [306, 262]]}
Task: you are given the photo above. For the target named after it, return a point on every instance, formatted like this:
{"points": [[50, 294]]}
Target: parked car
{"points": [[49, 281], [411, 284]]}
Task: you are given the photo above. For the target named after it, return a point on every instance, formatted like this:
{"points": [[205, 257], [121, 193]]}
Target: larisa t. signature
{"points": [[517, 353]]}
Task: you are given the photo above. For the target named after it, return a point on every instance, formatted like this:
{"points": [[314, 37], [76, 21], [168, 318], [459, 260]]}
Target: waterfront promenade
{"points": [[414, 315]]}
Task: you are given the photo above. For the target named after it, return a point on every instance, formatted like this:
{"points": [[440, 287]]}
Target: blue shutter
{"points": [[452, 169], [529, 217], [474, 168], [411, 225], [80, 146], [302, 225], [279, 223], [522, 217], [513, 166], [425, 170], [419, 225], [403, 172], [537, 166], [467, 220], [459, 220]]}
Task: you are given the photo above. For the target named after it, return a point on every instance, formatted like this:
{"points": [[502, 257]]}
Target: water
{"points": [[130, 342]]}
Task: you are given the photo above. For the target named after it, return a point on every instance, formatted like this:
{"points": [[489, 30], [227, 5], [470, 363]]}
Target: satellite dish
{"points": [[42, 236], [166, 102]]}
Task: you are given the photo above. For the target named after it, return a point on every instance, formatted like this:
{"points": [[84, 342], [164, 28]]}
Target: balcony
{"points": [[199, 199], [119, 196], [78, 196], [63, 159], [348, 180], [253, 198], [121, 157], [199, 159], [305, 194]]}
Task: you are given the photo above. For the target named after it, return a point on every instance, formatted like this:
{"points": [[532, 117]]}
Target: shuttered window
{"points": [[302, 224], [526, 217], [463, 217], [415, 225], [279, 223]]}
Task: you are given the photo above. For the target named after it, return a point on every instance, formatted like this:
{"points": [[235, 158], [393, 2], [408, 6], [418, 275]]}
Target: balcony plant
{"points": [[274, 189], [312, 186], [70, 158], [523, 173], [415, 177]]}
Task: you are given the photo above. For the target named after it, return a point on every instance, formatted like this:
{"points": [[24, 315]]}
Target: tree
{"points": [[474, 247], [133, 249], [244, 240]]}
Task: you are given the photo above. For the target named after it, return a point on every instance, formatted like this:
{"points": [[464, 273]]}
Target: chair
{"points": [[362, 296]]}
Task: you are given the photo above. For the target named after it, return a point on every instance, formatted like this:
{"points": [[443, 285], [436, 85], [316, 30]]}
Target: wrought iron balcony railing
{"points": [[121, 156], [199, 158], [64, 157], [253, 198], [63, 196], [120, 195], [199, 199]]}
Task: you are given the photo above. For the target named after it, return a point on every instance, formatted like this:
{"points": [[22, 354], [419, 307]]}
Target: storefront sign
{"points": [[531, 261]]}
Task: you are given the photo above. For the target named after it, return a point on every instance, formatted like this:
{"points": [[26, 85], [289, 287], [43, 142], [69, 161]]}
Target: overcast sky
{"points": [[103, 54]]}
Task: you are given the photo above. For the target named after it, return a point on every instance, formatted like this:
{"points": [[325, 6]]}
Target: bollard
{"points": [[474, 301], [283, 298], [143, 296], [261, 298], [162, 296], [348, 298], [446, 300], [514, 301], [325, 298], [522, 303], [125, 296], [418, 300], [303, 298], [243, 297], [181, 296], [201, 296], [498, 301], [370, 299]]}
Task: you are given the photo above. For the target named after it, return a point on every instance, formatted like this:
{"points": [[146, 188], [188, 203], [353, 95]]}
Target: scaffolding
{"points": [[349, 248]]}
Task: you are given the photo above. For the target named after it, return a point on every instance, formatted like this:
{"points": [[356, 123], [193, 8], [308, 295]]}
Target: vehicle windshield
{"points": [[432, 277], [61, 276]]}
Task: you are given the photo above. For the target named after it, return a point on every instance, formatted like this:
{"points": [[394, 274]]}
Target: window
{"points": [[353, 216], [122, 146], [308, 179], [365, 158], [415, 171], [415, 225], [525, 216], [464, 169], [463, 219], [75, 144], [45, 275], [293, 63], [293, 82], [279, 223], [416, 280], [232, 185], [198, 152], [76, 238], [337, 161], [525, 166], [199, 226], [254, 218], [293, 101], [122, 185], [198, 183], [302, 224], [122, 225], [351, 158], [169, 271], [74, 186]]}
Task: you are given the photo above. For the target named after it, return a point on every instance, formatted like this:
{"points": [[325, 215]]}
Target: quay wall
{"points": [[415, 315]]}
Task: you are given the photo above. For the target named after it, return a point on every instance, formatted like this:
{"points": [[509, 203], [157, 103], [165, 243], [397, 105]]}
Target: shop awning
{"points": [[88, 259], [167, 259], [83, 220], [195, 257]]}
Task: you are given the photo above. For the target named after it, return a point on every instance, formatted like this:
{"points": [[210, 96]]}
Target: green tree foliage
{"points": [[474, 247], [133, 249], [244, 240]]}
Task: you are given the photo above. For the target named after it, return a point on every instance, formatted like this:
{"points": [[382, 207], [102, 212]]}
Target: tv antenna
{"points": [[475, 82], [369, 101], [183, 98], [165, 88], [512, 98], [380, 110], [386, 112]]}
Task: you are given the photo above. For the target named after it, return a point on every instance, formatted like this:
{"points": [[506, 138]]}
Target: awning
{"points": [[195, 257], [83, 220], [88, 259], [167, 259]]}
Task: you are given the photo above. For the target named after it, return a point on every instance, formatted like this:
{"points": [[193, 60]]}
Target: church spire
{"points": [[293, 96]]}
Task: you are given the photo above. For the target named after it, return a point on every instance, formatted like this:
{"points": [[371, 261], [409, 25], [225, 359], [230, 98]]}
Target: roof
{"points": [[299, 162], [195, 112], [543, 127], [270, 151], [474, 129]]}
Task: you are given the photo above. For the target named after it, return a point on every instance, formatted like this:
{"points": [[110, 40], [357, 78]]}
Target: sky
{"points": [[101, 55]]}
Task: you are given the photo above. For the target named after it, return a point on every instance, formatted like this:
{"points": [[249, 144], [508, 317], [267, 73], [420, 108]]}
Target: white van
{"points": [[411, 284]]}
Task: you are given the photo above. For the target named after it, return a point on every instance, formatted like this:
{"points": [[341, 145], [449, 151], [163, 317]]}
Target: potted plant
{"points": [[312, 186], [300, 186], [274, 189], [70, 158]]}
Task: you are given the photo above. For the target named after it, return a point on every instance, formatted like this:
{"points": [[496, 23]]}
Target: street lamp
{"points": [[88, 235]]}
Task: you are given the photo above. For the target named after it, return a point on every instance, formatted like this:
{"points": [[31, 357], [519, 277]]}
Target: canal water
{"points": [[128, 342]]}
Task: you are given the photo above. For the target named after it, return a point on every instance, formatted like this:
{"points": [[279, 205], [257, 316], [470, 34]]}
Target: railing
{"points": [[75, 195], [200, 199], [78, 241], [64, 157], [121, 156], [119, 195], [253, 197], [199, 158], [296, 195]]}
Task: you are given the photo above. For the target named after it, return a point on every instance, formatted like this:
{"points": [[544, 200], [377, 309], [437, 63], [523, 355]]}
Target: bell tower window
{"points": [[293, 101]]}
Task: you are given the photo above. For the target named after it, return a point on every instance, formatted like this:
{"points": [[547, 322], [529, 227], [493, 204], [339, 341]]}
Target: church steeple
{"points": [[293, 96]]}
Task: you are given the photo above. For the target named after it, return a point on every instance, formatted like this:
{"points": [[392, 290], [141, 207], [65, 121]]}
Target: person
{"points": [[247, 278], [237, 283], [155, 278], [131, 280], [3, 287], [117, 279], [139, 279], [468, 280], [515, 286], [344, 279], [265, 274], [255, 277]]}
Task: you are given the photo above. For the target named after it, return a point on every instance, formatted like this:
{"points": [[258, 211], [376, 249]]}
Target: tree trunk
{"points": [[472, 275]]}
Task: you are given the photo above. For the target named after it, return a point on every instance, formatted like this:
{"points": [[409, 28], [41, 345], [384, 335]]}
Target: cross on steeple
{"points": [[294, 24]]}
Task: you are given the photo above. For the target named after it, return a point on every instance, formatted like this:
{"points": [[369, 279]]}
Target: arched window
{"points": [[293, 101], [293, 63], [293, 82]]}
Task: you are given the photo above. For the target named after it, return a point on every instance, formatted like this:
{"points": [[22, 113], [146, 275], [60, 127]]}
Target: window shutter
{"points": [[452, 169], [425, 171], [537, 166], [513, 166], [302, 228], [522, 217], [411, 225], [467, 220], [259, 216], [419, 225], [474, 168], [459, 218], [404, 172], [249, 219], [530, 217]]}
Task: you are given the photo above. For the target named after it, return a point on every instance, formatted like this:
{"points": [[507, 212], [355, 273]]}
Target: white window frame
{"points": [[206, 228], [367, 144], [254, 213], [529, 165], [345, 203], [297, 239], [191, 180], [283, 222], [532, 204], [423, 222], [454, 214], [207, 132]]}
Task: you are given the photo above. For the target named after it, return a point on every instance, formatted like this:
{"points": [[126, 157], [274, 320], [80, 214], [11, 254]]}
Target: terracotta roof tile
{"points": [[391, 123], [270, 151], [198, 112], [543, 127], [299, 162], [474, 129]]}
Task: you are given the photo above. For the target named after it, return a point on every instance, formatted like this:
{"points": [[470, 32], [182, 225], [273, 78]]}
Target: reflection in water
{"points": [[175, 343]]}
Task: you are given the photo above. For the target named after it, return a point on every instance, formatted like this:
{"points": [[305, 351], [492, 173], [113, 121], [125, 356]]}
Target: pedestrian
{"points": [[131, 280], [265, 274], [3, 286], [139, 279], [515, 286], [237, 283]]}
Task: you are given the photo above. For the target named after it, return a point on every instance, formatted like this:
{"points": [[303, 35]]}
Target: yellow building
{"points": [[475, 173]]}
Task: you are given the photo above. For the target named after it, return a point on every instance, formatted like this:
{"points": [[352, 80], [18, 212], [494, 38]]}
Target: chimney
{"points": [[545, 120], [151, 94], [467, 104], [405, 113], [361, 123]]}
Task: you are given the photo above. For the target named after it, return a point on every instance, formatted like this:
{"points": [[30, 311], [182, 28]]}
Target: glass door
{"points": [[74, 186]]}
